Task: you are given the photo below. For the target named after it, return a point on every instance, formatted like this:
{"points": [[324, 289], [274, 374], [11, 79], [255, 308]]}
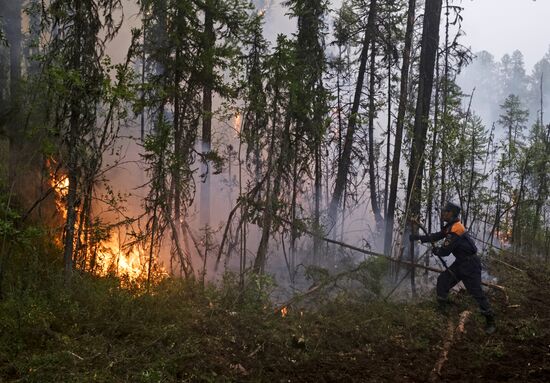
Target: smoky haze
{"points": [[511, 52], [515, 46], [502, 26], [491, 43]]}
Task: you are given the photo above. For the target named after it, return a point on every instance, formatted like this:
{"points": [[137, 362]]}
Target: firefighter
{"points": [[467, 266]]}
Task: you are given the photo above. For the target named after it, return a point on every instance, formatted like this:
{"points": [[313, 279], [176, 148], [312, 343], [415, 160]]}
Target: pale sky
{"points": [[497, 26], [502, 26]]}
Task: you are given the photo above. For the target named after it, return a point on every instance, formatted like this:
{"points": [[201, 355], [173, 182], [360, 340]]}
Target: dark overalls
{"points": [[466, 267]]}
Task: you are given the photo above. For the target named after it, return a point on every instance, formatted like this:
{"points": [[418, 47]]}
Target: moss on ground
{"points": [[94, 331]]}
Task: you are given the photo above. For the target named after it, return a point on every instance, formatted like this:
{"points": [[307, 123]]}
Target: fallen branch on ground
{"points": [[453, 335], [317, 287]]}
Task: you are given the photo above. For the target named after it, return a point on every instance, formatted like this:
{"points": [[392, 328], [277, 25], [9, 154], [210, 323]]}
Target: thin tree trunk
{"points": [[72, 165], [153, 239], [388, 130], [293, 231], [402, 108], [487, 154], [472, 163], [435, 149], [429, 45], [209, 39], [345, 160], [542, 190], [318, 194], [515, 225], [71, 195], [272, 194], [13, 35], [445, 106], [372, 112], [339, 100], [497, 212], [271, 198], [12, 27]]}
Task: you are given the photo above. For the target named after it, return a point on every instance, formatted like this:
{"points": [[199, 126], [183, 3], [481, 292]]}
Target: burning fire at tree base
{"points": [[101, 251]]}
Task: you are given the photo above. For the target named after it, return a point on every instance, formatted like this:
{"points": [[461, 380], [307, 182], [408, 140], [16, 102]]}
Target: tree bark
{"points": [[345, 160], [445, 106], [429, 45], [12, 27], [388, 128], [472, 170], [73, 134], [209, 39], [372, 113], [402, 108], [272, 194]]}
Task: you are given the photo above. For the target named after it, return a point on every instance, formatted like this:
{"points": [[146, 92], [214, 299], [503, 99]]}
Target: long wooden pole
{"points": [[370, 252]]}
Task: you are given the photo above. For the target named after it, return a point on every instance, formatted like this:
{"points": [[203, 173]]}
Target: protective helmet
{"points": [[453, 208]]}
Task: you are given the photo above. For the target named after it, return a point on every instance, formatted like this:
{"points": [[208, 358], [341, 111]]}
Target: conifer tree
{"points": [[310, 99], [193, 52], [85, 105]]}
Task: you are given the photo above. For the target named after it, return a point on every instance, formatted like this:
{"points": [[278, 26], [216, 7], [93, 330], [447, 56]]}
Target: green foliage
{"points": [[94, 330], [372, 276], [189, 52], [317, 274], [253, 295], [8, 218], [513, 119]]}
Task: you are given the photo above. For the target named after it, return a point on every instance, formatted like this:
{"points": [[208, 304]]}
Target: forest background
{"points": [[173, 173], [353, 127]]}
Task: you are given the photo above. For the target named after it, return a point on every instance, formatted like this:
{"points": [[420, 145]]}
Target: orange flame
{"points": [[110, 255], [284, 311], [60, 183]]}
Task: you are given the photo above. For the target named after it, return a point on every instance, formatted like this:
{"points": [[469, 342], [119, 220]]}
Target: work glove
{"points": [[435, 250], [414, 237]]}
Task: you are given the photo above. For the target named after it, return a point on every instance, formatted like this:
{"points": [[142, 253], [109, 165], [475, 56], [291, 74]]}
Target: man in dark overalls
{"points": [[466, 267]]}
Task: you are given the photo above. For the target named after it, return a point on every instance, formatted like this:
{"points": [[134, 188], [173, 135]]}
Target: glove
{"points": [[435, 250], [414, 237]]}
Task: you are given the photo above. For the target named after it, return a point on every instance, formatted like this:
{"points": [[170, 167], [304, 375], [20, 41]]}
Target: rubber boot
{"points": [[490, 326]]}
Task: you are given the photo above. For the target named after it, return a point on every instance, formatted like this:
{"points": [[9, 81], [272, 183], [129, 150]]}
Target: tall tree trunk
{"points": [[272, 194], [429, 45], [542, 190], [274, 173], [445, 107], [516, 231], [435, 150], [372, 112], [496, 223], [72, 167], [466, 215], [339, 101], [318, 194], [293, 204], [209, 39], [402, 108], [488, 152], [12, 27], [388, 127], [13, 34], [345, 160]]}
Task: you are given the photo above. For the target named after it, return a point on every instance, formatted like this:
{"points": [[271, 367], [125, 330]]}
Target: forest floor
{"points": [[182, 332]]}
